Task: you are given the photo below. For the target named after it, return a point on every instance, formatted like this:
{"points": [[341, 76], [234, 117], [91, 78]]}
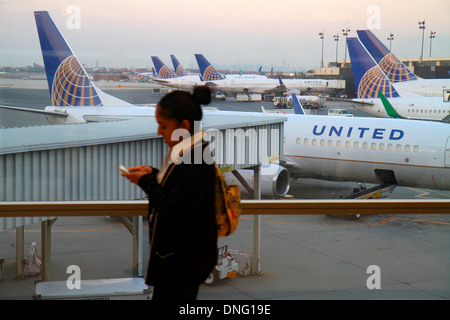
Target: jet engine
{"points": [[275, 180]]}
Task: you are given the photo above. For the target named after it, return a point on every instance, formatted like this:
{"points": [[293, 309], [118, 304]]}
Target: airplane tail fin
{"points": [[369, 78], [388, 107], [162, 70], [179, 70], [259, 71], [68, 81], [394, 69], [207, 71], [298, 108]]}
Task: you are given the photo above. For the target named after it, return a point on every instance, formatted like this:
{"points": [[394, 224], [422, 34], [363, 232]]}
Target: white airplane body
{"points": [[166, 77], [244, 84], [374, 150]]}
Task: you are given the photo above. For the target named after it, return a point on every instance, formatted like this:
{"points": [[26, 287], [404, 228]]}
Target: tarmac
{"points": [[303, 257]]}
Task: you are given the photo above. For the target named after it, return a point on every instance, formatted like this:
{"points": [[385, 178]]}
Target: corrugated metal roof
{"points": [[25, 139]]}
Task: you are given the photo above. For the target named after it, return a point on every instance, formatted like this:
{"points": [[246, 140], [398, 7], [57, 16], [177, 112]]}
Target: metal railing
{"points": [[138, 208]]}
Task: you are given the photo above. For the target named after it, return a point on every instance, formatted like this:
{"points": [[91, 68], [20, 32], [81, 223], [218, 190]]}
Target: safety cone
{"points": [[33, 263]]}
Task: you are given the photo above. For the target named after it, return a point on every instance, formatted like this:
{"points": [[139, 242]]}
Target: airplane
{"points": [[370, 80], [166, 77], [373, 150], [385, 152], [254, 83], [74, 97], [397, 72]]}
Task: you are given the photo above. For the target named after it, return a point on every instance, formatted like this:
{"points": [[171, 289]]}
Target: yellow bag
{"points": [[228, 206]]}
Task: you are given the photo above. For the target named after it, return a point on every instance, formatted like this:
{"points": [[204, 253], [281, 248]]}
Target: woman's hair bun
{"points": [[202, 95]]}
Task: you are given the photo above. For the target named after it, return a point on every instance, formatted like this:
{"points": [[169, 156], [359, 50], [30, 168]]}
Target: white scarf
{"points": [[173, 154]]}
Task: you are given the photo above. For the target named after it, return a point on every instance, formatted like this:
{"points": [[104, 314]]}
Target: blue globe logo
{"points": [[72, 87]]}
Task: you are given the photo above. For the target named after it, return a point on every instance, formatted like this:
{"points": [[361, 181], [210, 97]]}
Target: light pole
{"points": [[422, 26], [432, 36], [345, 33], [336, 38], [321, 34], [390, 38]]}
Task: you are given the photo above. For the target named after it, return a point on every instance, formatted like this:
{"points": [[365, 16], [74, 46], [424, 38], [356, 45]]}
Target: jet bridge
{"points": [[79, 162]]}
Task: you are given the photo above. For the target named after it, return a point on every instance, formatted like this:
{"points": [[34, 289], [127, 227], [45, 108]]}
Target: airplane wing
{"points": [[350, 100], [48, 113]]}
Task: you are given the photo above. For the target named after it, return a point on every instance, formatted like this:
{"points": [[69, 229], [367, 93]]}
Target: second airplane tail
{"points": [[179, 70], [369, 78], [394, 69], [162, 70], [207, 71]]}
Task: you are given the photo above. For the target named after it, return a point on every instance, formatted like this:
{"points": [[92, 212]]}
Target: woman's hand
{"points": [[135, 173]]}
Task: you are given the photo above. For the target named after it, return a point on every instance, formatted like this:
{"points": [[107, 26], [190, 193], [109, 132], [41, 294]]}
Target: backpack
{"points": [[228, 206]]}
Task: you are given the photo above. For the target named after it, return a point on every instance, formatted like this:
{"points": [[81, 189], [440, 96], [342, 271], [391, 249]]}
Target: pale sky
{"points": [[126, 33]]}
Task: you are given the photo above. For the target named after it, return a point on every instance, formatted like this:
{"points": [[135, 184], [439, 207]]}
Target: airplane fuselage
{"points": [[421, 108], [424, 87], [371, 150]]}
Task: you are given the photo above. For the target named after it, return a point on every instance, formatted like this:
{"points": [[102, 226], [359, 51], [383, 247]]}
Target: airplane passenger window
{"points": [[330, 143], [305, 141], [373, 146], [347, 144], [355, 145], [398, 147], [381, 146], [314, 142], [298, 141], [365, 145], [407, 148], [416, 148], [338, 143], [389, 147], [322, 142]]}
